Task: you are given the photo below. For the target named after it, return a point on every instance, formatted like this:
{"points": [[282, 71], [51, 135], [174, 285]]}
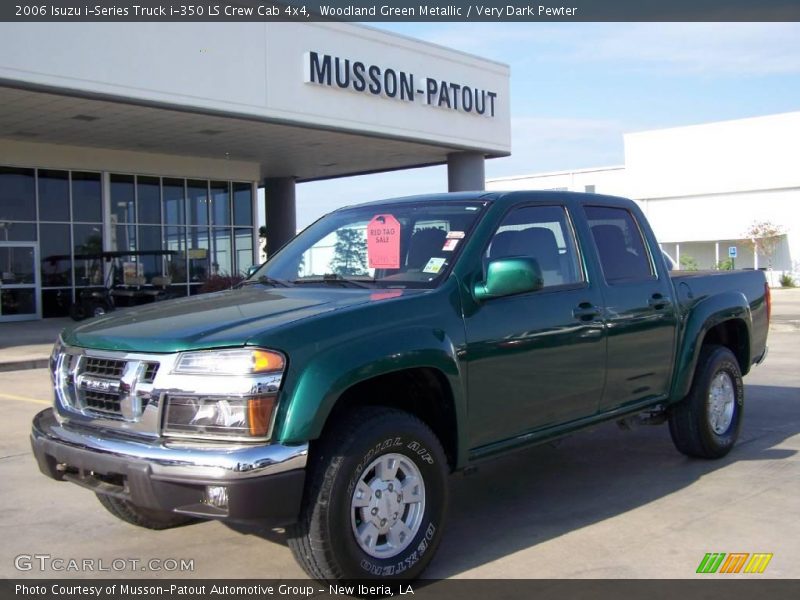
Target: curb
{"points": [[23, 365]]}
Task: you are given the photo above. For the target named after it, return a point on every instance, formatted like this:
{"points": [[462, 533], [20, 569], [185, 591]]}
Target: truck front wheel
{"points": [[375, 501], [706, 423], [141, 517]]}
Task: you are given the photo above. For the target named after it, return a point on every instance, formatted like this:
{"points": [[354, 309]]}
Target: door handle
{"points": [[586, 311], [659, 302]]}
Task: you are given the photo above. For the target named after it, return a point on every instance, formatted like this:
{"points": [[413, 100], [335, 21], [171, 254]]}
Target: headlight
{"points": [[235, 398], [215, 417], [241, 361]]}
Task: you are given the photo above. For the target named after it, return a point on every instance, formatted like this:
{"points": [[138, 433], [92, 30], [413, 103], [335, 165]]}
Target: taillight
{"points": [[768, 298]]}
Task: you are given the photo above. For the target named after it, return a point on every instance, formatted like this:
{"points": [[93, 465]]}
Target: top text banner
{"points": [[401, 10]]}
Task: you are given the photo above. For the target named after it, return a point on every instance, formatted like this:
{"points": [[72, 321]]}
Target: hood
{"points": [[222, 319]]}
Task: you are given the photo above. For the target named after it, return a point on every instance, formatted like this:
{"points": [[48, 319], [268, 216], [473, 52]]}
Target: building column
{"points": [[716, 255], [465, 172], [677, 256], [280, 212]]}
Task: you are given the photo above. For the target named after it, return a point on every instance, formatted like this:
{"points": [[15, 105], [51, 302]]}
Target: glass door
{"points": [[19, 281]]}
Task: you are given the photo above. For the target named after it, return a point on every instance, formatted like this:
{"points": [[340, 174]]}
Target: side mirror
{"points": [[251, 270], [509, 276]]}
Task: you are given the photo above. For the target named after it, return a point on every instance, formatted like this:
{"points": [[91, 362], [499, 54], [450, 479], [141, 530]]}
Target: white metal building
{"points": [[703, 186], [156, 136]]}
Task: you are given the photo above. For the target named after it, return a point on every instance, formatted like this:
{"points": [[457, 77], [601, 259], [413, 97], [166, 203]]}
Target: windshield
{"points": [[392, 245]]}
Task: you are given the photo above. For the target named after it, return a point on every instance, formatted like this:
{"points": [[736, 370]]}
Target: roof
{"points": [[504, 197]]}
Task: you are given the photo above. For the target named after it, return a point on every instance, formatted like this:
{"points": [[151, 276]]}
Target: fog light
{"points": [[217, 495]]}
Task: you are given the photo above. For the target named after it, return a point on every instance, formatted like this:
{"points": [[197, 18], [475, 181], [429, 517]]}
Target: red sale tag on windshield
{"points": [[383, 242]]}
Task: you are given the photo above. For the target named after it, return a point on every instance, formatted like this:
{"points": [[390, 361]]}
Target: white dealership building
{"points": [[156, 137], [702, 187]]}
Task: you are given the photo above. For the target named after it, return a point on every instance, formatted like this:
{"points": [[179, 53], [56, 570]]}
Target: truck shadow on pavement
{"points": [[518, 501]]}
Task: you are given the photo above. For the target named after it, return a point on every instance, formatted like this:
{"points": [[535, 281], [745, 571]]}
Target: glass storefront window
{"points": [[87, 203], [17, 232], [88, 241], [123, 200], [222, 259], [197, 202], [18, 301], [175, 240], [17, 265], [208, 224], [220, 203], [242, 205], [124, 238], [174, 209], [53, 195], [17, 195], [244, 249], [198, 254], [55, 303], [55, 254], [150, 239], [148, 190]]}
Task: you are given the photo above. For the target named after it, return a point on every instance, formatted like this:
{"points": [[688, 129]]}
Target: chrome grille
{"points": [[104, 367], [102, 402], [105, 386], [150, 370]]}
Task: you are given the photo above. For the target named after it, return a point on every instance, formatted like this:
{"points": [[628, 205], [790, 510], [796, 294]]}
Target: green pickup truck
{"points": [[385, 347]]}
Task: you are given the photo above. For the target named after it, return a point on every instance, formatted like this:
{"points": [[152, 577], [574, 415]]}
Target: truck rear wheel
{"points": [[141, 517], [706, 423], [375, 500]]}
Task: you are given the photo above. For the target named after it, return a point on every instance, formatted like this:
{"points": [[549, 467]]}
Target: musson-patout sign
{"points": [[361, 77]]}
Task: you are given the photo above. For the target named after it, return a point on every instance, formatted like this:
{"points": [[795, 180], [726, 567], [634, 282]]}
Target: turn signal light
{"points": [[260, 415]]}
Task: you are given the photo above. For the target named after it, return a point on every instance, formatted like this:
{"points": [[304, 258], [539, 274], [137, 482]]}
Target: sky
{"points": [[576, 88]]}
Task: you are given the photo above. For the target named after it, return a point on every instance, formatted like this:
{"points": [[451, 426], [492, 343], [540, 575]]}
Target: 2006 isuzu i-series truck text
{"points": [[384, 347]]}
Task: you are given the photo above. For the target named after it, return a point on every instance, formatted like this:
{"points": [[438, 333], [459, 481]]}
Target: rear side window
{"points": [[543, 233], [620, 246]]}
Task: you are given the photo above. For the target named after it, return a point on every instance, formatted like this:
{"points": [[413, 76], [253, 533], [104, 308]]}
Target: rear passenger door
{"points": [[535, 359], [640, 316]]}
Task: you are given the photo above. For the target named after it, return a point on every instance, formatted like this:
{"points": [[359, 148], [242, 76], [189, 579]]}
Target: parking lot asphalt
{"points": [[604, 503]]}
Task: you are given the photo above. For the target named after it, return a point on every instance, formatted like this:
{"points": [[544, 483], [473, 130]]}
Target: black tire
{"points": [[689, 423], [141, 517], [98, 309], [323, 540], [78, 311]]}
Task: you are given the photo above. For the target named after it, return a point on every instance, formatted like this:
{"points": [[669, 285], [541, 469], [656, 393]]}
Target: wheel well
{"points": [[423, 392], [733, 335]]}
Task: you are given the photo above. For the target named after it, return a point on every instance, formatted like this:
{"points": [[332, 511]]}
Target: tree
{"points": [[262, 235], [764, 237], [349, 253]]}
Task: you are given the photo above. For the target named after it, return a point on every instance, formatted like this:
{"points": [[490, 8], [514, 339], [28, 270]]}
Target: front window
{"points": [[391, 245]]}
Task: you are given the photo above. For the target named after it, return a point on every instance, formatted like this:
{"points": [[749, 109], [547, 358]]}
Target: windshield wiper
{"points": [[336, 279], [264, 280]]}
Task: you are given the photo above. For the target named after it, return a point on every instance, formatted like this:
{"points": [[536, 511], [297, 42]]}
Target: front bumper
{"points": [[264, 482]]}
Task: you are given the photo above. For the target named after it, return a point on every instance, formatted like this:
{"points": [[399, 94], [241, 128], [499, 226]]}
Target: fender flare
{"points": [[308, 398], [704, 316]]}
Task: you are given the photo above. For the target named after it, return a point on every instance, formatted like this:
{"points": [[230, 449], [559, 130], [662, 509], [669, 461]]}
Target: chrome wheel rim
{"points": [[387, 506], [721, 399]]}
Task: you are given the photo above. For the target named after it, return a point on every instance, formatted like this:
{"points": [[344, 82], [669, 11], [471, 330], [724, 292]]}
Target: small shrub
{"points": [[725, 265], [787, 280], [689, 263]]}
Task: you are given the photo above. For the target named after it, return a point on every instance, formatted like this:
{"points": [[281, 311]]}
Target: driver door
{"points": [[535, 359]]}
